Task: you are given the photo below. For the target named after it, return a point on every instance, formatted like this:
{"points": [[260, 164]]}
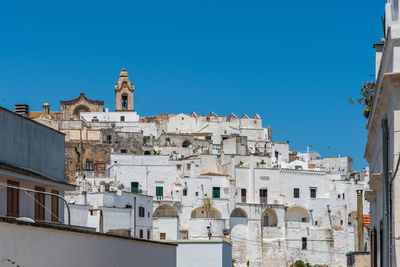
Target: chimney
{"points": [[360, 218], [22, 110], [46, 108]]}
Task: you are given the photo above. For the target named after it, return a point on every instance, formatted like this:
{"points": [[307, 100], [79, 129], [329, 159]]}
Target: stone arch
{"points": [[186, 143], [165, 211], [79, 109], [201, 213], [297, 214], [269, 218], [238, 216]]}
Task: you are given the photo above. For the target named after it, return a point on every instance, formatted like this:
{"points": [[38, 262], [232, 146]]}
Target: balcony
{"points": [[263, 200], [243, 199], [94, 174]]}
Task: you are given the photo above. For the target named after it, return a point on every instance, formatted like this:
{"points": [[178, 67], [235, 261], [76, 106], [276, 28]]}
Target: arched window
{"points": [[78, 110], [165, 211], [186, 143], [269, 218], [201, 213], [297, 214], [124, 101], [238, 216]]}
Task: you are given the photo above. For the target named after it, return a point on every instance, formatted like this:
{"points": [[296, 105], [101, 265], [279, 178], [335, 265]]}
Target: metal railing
{"points": [[94, 174], [263, 200]]}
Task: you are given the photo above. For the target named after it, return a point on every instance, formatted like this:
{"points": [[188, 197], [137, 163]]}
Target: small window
{"points": [[349, 223], [108, 138], [124, 151], [148, 234], [196, 194], [185, 192], [303, 219], [162, 236], [89, 165], [341, 222], [179, 166], [343, 195], [159, 191], [184, 234], [338, 196], [303, 243], [216, 192], [122, 118], [140, 233], [148, 214], [296, 193], [124, 102], [134, 187], [313, 192], [316, 223], [141, 212], [188, 166]]}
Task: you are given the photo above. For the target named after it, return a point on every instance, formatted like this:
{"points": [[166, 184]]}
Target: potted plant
{"points": [[367, 92]]}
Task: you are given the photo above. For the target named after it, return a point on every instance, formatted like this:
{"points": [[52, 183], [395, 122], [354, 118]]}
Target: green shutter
{"points": [[296, 192], [159, 191], [216, 192], [134, 187]]}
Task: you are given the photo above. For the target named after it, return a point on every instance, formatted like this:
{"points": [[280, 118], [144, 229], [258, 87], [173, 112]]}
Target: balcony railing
{"points": [[94, 174], [163, 198], [243, 199], [263, 200]]}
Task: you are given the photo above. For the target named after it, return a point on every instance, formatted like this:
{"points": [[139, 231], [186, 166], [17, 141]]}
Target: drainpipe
{"points": [[134, 217], [385, 172], [360, 227]]}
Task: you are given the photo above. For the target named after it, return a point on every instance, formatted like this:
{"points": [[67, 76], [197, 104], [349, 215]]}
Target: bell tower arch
{"points": [[124, 93]]}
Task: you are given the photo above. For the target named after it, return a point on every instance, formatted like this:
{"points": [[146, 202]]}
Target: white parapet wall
{"points": [[210, 253], [28, 244]]}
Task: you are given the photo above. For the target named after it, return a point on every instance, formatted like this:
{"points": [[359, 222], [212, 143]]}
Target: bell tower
{"points": [[124, 93]]}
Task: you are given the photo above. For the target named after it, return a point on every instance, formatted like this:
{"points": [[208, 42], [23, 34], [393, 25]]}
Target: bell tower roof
{"points": [[123, 81]]}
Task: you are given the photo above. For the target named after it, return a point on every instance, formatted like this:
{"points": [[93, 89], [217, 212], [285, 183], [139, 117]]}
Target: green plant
{"points": [[262, 162], [167, 139], [299, 263], [240, 163], [248, 263], [367, 92], [208, 203]]}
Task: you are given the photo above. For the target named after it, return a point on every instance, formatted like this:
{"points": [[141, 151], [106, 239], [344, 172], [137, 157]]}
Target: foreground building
{"points": [[33, 229], [382, 149]]}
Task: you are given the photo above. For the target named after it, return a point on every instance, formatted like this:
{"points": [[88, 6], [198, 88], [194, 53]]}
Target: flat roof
{"points": [[58, 227]]}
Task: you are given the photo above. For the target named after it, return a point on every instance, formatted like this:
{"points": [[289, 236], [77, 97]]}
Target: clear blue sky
{"points": [[293, 62]]}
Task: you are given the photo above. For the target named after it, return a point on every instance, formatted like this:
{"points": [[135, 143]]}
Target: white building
{"points": [[385, 114]]}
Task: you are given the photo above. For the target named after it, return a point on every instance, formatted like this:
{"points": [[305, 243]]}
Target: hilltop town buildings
{"points": [[273, 204]]}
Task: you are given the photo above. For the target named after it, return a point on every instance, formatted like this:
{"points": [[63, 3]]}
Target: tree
{"points": [[208, 203]]}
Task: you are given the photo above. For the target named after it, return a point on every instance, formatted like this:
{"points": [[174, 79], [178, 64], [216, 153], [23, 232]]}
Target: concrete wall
{"points": [[30, 145], [27, 245], [204, 253]]}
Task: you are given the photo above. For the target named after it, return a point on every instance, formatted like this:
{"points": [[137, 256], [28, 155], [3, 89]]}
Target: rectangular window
{"points": [[313, 192], [108, 138], [188, 166], [343, 195], [148, 234], [296, 193], [12, 199], [122, 118], [39, 204], [162, 236], [178, 167], [141, 212], [134, 187], [124, 151], [263, 196], [159, 192], [185, 192], [196, 194], [216, 192], [243, 195], [89, 165], [54, 207], [303, 243], [140, 233]]}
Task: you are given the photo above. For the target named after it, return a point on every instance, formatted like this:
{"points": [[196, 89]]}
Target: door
{"points": [[134, 187], [216, 192], [12, 199], [39, 204], [243, 194], [263, 196], [159, 192]]}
